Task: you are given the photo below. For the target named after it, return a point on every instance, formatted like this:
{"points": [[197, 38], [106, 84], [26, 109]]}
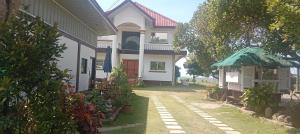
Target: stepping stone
{"points": [[177, 132], [160, 107], [226, 128], [170, 123], [163, 112], [215, 122], [169, 120], [210, 119], [220, 125], [198, 111], [205, 116], [232, 132], [167, 117], [173, 127]]}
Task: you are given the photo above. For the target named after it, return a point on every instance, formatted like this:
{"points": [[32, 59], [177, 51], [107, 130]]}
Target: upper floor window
{"points": [[131, 40], [159, 38]]}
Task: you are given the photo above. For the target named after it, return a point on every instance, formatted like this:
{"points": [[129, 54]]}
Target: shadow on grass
{"points": [[177, 88], [293, 131], [138, 115]]}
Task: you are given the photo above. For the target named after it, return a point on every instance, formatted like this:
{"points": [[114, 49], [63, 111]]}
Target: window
{"points": [[99, 64], [131, 40], [159, 38], [266, 74], [157, 66], [84, 66]]}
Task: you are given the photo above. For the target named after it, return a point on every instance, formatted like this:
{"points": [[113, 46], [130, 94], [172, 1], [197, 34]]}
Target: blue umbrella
{"points": [[107, 62]]}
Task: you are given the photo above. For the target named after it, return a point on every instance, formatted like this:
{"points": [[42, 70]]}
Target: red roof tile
{"points": [[159, 20]]}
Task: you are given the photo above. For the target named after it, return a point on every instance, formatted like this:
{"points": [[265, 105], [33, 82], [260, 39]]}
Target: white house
{"points": [[79, 22], [143, 44]]}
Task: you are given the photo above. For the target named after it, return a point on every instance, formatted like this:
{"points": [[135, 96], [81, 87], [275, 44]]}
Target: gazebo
{"points": [[252, 66]]}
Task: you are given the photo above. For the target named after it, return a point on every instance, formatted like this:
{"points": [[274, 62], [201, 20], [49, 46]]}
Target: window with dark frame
{"points": [[84, 66], [157, 66]]}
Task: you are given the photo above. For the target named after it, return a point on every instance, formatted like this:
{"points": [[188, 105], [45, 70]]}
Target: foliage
{"points": [[259, 98], [96, 98], [31, 95], [121, 80], [294, 109], [193, 67], [216, 93], [85, 113], [220, 27]]}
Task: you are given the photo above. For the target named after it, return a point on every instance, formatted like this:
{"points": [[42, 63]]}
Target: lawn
{"points": [[144, 112]]}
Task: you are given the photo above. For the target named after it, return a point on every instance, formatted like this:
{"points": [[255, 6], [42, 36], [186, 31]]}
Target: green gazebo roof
{"points": [[254, 56]]}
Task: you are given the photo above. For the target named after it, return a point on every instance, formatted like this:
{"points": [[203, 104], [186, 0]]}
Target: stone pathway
{"points": [[167, 118], [206, 116]]}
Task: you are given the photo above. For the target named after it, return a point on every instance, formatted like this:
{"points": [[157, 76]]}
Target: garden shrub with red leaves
{"points": [[86, 115]]}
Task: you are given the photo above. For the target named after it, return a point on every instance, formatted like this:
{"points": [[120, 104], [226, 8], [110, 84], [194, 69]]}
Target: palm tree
{"points": [[8, 8]]}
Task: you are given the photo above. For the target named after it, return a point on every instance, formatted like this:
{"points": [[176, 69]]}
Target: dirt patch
{"points": [[207, 105]]}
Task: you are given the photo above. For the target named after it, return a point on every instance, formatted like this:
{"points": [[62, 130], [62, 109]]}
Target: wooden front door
{"points": [[131, 68]]}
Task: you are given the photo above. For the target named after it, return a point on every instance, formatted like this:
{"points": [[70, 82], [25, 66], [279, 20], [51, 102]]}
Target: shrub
{"points": [[123, 86], [259, 98], [31, 85], [216, 93]]}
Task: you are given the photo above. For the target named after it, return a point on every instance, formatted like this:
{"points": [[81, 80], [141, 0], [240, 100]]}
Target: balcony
{"points": [[149, 46], [104, 45]]}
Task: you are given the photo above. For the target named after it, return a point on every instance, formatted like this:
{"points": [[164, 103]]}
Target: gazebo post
{"points": [[297, 80]]}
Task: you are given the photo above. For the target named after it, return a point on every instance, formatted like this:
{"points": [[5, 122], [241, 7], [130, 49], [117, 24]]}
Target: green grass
{"points": [[144, 112], [248, 124]]}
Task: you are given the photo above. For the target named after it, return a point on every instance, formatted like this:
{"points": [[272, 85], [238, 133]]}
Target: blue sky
{"points": [[178, 10]]}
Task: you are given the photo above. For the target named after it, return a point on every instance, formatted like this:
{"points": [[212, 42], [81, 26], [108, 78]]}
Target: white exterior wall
{"points": [[69, 57], [158, 76], [86, 53], [130, 15]]}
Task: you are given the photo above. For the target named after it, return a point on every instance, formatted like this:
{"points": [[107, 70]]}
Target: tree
{"points": [[221, 27], [8, 8]]}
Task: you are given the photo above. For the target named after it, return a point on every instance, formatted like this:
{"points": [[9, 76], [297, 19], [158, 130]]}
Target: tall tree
{"points": [[220, 27]]}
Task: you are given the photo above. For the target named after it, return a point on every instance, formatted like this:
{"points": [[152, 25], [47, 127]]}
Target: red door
{"points": [[131, 68]]}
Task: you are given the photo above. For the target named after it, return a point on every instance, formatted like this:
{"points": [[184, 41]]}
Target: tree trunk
{"points": [[3, 10], [8, 8]]}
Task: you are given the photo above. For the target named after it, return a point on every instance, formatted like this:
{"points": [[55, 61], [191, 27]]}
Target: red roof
{"points": [[159, 20]]}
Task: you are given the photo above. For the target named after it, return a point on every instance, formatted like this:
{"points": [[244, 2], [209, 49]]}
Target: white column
{"points": [[141, 54], [114, 52]]}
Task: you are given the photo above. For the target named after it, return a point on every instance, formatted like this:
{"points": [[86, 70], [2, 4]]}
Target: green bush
{"points": [[123, 87], [31, 88], [259, 98]]}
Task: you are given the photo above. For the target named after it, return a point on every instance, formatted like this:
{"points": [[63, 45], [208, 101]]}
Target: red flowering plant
{"points": [[85, 114]]}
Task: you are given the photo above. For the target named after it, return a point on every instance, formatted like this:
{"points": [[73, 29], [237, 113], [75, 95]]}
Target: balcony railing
{"points": [[104, 45], [149, 46]]}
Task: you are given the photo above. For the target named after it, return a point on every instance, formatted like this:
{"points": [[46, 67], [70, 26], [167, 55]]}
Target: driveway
{"points": [[164, 110]]}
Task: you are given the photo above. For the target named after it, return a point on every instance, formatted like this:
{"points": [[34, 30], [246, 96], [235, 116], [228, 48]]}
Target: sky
{"points": [[178, 10]]}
